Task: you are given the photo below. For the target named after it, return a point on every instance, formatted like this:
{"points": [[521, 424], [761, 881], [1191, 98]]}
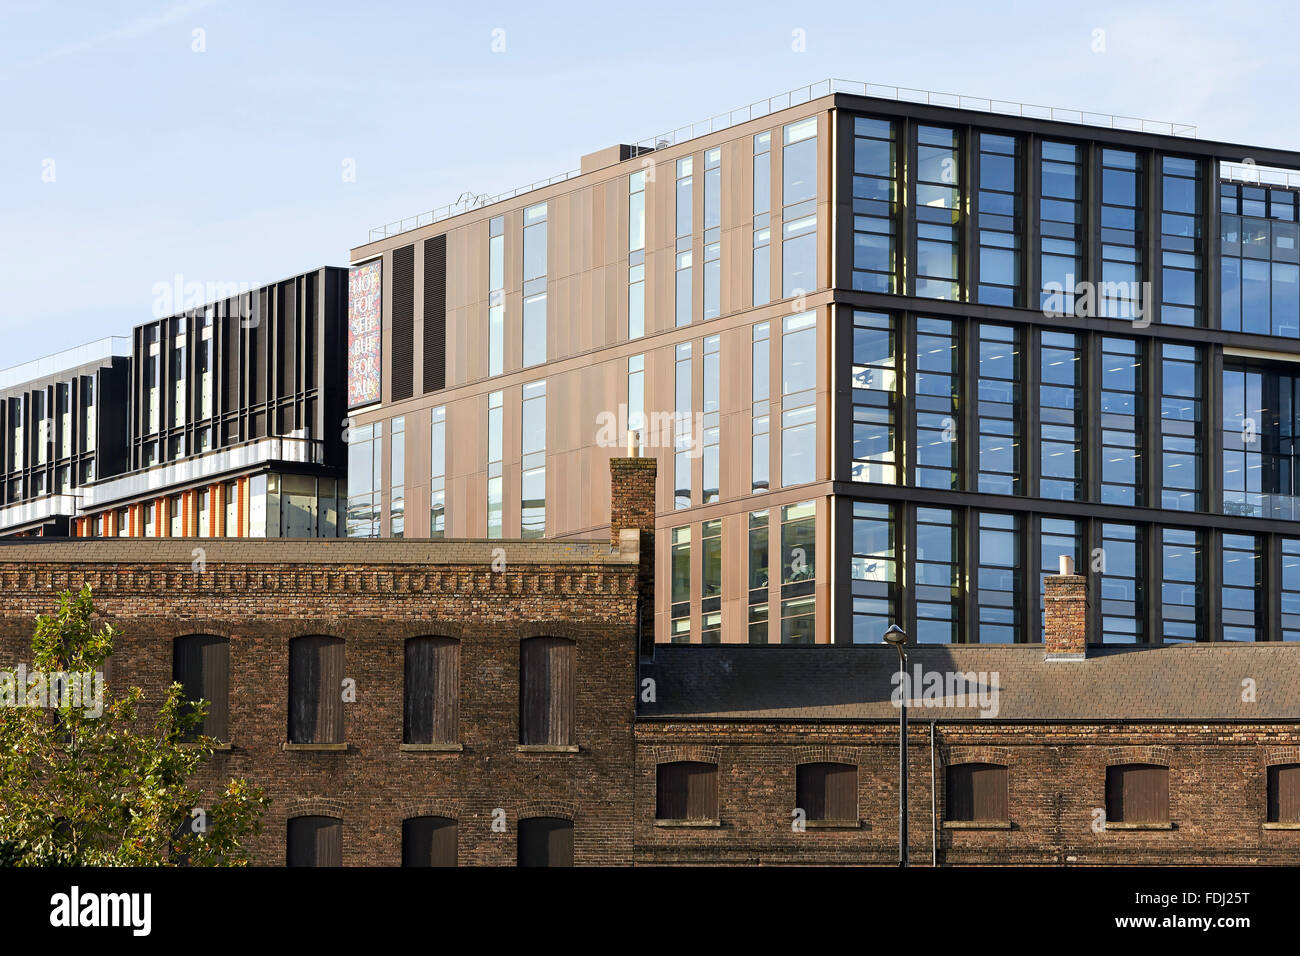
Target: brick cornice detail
{"points": [[113, 580]]}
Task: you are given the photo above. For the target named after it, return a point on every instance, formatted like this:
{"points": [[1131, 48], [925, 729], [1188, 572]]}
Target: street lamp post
{"points": [[896, 636]]}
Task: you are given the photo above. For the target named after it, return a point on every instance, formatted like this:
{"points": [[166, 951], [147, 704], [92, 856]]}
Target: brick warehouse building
{"points": [[494, 680], [1056, 755]]}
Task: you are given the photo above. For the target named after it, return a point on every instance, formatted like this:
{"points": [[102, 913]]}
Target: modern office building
{"points": [[894, 359], [227, 420], [60, 421]]}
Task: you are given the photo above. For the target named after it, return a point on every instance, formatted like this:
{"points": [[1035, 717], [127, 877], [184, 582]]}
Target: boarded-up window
{"points": [[429, 841], [1284, 793], [545, 841], [977, 791], [315, 841], [827, 791], [316, 690], [201, 665], [687, 790], [1137, 793], [432, 685], [546, 698]]}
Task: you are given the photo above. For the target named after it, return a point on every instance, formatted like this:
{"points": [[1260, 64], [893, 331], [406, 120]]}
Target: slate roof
{"points": [[1189, 682]]}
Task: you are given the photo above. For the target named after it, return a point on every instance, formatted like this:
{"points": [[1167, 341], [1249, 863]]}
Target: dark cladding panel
{"points": [[402, 362], [435, 314]]}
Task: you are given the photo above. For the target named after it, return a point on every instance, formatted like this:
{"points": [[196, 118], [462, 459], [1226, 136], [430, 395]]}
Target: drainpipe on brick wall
{"points": [[934, 811], [1065, 614]]}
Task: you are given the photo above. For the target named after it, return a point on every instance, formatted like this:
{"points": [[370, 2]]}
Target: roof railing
{"points": [[796, 97], [1252, 175]]}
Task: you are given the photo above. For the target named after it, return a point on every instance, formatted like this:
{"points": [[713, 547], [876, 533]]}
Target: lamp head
{"points": [[895, 635]]}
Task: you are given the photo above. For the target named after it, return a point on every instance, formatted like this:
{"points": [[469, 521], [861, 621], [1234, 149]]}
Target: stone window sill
{"points": [[1282, 826], [219, 747], [316, 748], [547, 748], [977, 824], [433, 748], [689, 824], [833, 824], [1138, 826]]}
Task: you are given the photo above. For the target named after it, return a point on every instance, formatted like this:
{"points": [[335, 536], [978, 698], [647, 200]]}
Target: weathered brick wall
{"points": [[1056, 775], [567, 591]]}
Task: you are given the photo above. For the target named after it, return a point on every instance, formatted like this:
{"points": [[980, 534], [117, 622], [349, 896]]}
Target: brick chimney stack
{"points": [[632, 509], [1065, 606]]}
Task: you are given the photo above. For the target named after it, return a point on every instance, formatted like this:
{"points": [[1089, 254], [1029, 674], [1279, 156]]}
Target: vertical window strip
{"points": [[998, 220], [712, 421], [1122, 412], [679, 630], [999, 410], [873, 573], [438, 472], [1180, 428], [682, 436], [636, 255], [799, 208], [1180, 241], [759, 570], [712, 233], [685, 227], [1060, 405], [496, 295], [1122, 215], [1060, 226], [875, 196], [1241, 587], [799, 399], [997, 579], [1180, 585], [1122, 564], [938, 587], [495, 478], [762, 255], [937, 214], [798, 573], [874, 378], [533, 461], [761, 358]]}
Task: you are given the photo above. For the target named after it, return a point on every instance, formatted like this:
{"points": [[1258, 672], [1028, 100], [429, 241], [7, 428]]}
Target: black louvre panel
{"points": [[435, 314], [402, 361]]}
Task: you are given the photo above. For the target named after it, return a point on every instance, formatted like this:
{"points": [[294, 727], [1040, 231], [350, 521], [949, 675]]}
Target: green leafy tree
{"points": [[113, 789]]}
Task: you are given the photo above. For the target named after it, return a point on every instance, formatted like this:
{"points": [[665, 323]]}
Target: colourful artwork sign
{"points": [[365, 308]]}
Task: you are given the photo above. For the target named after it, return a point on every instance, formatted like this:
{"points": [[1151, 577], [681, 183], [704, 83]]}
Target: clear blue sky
{"points": [[226, 165]]}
